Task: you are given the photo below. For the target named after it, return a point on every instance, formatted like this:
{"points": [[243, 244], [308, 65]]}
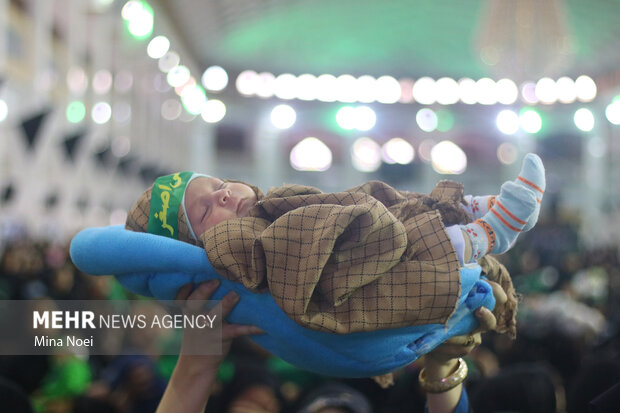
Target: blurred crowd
{"points": [[567, 351]]}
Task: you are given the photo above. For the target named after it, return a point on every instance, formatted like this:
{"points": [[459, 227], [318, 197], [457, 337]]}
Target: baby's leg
{"points": [[532, 176], [500, 219]]}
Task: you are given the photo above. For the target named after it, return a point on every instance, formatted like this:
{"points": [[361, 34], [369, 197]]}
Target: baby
{"points": [[367, 258]]}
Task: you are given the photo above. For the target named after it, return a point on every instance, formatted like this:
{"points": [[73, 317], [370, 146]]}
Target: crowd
{"points": [[567, 350]]}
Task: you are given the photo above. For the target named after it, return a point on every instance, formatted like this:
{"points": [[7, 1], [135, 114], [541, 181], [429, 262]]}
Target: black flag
{"points": [[31, 128], [70, 143]]}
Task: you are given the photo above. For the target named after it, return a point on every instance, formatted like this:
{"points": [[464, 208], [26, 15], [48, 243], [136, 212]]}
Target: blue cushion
{"points": [[156, 266]]}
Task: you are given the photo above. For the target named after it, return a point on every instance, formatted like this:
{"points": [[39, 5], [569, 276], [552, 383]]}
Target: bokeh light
{"points": [[528, 93], [346, 88], [283, 116], [366, 155], [123, 81], [179, 89], [612, 112], [467, 91], [406, 90], [486, 91], [77, 81], [507, 153], [102, 81], [213, 111], [327, 88], [507, 91], [178, 76], [448, 158], [193, 99], [586, 88], [139, 19], [168, 61], [424, 91], [424, 150], [426, 119], [366, 89], [397, 150], [101, 113], [345, 117], [388, 90], [265, 85], [171, 109], [215, 79], [4, 110], [447, 91], [365, 118], [158, 46], [567, 91], [584, 119], [121, 112], [131, 10], [530, 121], [306, 87], [247, 82], [285, 86], [507, 122], [546, 91], [76, 111], [445, 120], [311, 154], [597, 147]]}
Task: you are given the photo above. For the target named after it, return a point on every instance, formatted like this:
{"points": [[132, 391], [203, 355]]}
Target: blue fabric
{"points": [[155, 266]]}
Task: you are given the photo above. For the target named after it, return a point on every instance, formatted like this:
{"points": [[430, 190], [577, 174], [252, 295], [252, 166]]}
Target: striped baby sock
{"points": [[532, 176], [477, 206], [497, 230]]}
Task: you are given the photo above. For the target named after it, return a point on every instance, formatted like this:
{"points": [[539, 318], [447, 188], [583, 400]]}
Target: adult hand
{"points": [[459, 346], [194, 375], [443, 361], [191, 302]]}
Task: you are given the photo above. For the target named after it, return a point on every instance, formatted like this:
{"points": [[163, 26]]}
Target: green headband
{"points": [[166, 198]]}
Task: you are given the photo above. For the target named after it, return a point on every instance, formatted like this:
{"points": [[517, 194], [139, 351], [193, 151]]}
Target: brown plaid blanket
{"points": [[368, 258]]}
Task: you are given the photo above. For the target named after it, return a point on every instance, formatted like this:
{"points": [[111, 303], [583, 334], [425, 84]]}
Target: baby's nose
{"points": [[223, 196]]}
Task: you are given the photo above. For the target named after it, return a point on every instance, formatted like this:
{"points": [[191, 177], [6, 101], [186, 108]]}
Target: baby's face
{"points": [[209, 201]]}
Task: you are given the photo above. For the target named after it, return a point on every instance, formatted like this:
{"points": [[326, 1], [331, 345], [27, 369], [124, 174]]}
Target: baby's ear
{"points": [[185, 234], [138, 216]]}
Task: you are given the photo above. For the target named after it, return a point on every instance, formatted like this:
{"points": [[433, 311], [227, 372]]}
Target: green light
{"points": [[76, 111], [140, 20], [445, 120], [530, 120], [193, 99]]}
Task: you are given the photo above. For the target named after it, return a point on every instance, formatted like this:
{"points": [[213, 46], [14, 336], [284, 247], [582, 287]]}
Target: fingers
{"points": [[183, 292], [230, 331], [458, 346], [229, 301], [487, 320], [498, 293]]}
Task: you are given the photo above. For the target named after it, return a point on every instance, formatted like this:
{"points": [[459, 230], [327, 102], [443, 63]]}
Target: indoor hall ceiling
{"points": [[475, 38]]}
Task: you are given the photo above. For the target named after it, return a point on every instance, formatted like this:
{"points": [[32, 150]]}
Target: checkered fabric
{"points": [[368, 258]]}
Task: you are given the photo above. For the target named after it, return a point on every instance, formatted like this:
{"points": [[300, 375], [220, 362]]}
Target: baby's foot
{"points": [[532, 176], [497, 230]]}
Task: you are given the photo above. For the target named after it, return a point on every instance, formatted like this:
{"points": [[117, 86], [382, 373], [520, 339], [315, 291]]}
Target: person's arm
{"points": [[443, 362], [193, 376]]}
